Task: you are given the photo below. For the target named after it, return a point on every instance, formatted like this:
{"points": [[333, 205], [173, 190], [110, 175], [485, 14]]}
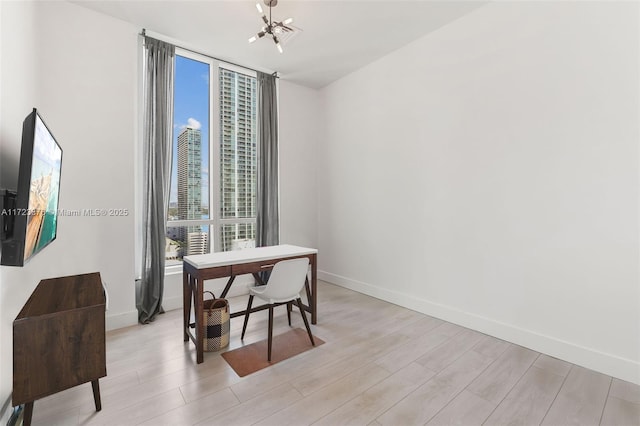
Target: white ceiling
{"points": [[338, 37]]}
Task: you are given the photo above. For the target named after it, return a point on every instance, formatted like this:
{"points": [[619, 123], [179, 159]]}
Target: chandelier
{"points": [[272, 28]]}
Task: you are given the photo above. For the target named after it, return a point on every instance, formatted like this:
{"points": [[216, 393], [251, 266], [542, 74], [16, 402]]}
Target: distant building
{"points": [[197, 243], [242, 244], [189, 180], [171, 250], [173, 232], [238, 136]]}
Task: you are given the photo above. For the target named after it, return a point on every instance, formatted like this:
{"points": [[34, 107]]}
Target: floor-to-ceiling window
{"points": [[212, 205]]}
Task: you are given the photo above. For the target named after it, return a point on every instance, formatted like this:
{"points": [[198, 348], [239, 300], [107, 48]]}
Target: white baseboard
{"points": [[121, 320], [605, 363], [171, 303]]}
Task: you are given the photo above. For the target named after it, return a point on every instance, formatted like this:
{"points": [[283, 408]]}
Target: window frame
{"points": [[215, 221]]}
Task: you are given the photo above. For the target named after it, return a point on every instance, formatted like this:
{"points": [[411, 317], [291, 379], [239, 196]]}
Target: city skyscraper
{"points": [[190, 187], [238, 153], [189, 174]]}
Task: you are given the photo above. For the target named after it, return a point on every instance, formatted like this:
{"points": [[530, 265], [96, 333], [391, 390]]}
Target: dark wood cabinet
{"points": [[59, 339]]}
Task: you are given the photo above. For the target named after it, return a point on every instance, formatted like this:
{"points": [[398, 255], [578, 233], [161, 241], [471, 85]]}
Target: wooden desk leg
{"points": [[186, 304], [198, 284], [307, 289], [314, 289], [96, 394], [28, 414], [227, 287]]}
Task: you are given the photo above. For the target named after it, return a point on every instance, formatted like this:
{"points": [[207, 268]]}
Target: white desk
{"points": [[198, 268]]}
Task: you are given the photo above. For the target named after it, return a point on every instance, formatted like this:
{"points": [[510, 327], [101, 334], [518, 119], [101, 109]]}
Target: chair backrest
{"points": [[286, 280]]}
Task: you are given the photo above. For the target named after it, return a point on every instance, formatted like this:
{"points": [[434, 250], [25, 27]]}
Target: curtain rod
{"points": [[275, 73]]}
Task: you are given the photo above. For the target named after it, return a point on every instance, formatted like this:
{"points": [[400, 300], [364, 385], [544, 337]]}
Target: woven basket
{"points": [[216, 324]]}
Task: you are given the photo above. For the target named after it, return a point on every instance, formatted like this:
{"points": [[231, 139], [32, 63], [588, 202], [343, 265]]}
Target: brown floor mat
{"points": [[251, 358]]}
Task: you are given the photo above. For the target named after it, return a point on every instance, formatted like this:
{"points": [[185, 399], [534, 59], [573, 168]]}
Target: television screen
{"points": [[44, 187], [34, 218]]}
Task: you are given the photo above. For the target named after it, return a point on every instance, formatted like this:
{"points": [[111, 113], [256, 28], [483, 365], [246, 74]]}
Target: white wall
{"points": [[80, 69], [17, 74], [487, 174], [301, 122]]}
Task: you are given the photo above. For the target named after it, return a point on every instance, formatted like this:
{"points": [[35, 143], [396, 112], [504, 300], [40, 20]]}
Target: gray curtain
{"points": [[157, 139], [268, 225]]}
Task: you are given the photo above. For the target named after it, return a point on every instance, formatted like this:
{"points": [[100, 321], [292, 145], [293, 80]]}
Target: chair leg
{"points": [[270, 333], [306, 323], [289, 305], [246, 316]]}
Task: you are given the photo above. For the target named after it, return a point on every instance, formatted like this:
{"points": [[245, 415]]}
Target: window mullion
{"points": [[214, 155]]}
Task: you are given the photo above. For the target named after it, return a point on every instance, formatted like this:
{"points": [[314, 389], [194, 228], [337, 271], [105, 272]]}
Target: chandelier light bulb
{"points": [[273, 28]]}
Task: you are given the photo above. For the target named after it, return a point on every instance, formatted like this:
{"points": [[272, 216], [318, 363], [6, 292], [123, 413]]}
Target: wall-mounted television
{"points": [[31, 219]]}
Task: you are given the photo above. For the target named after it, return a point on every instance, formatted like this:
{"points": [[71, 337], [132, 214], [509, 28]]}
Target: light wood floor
{"points": [[381, 365]]}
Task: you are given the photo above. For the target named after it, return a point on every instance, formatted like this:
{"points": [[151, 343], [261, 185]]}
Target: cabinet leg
{"points": [[96, 394], [28, 414]]}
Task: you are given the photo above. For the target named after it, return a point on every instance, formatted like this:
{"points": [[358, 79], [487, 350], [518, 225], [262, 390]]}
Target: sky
{"points": [[191, 108]]}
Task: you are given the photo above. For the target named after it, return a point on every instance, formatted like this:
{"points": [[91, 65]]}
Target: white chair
{"points": [[283, 287]]}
